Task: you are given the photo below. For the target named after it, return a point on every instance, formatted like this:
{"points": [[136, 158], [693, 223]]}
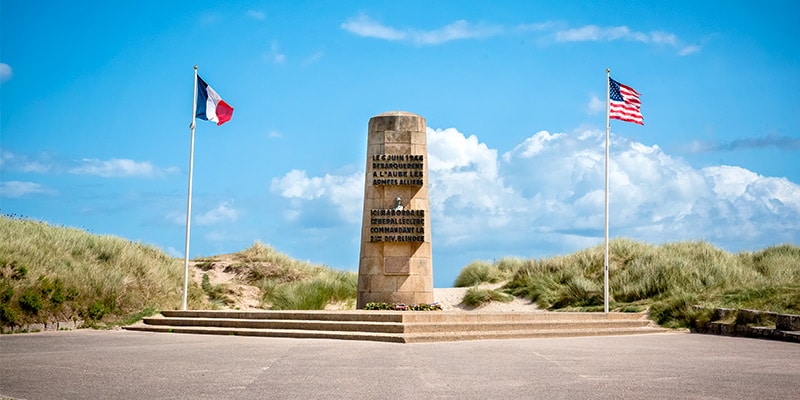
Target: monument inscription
{"points": [[394, 169], [397, 225]]}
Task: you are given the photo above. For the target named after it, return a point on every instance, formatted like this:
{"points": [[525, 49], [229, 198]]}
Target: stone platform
{"points": [[398, 326]]}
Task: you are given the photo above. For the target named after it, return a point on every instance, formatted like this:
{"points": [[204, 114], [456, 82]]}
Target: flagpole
{"points": [[189, 196], [605, 253]]}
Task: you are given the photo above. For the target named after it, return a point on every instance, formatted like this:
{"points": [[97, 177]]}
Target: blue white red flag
{"points": [[210, 106], [624, 103]]}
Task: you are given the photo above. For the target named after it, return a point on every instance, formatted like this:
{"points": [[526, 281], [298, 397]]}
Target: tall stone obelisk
{"points": [[396, 263]]}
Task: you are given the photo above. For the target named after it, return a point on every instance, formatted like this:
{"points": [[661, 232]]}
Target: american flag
{"points": [[624, 103]]}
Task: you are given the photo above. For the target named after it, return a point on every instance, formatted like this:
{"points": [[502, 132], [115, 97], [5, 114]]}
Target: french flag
{"points": [[210, 106]]}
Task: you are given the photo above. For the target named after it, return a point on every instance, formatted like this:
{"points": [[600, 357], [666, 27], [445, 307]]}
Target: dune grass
{"points": [[50, 273], [669, 280]]}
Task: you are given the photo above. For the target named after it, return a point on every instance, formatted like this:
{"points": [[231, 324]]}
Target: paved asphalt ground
{"points": [[89, 364]]}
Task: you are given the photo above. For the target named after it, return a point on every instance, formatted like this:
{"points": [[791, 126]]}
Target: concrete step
{"points": [[303, 315], [519, 326], [397, 326], [528, 334], [285, 333], [281, 324]]}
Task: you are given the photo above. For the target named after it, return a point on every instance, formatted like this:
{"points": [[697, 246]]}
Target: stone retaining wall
{"points": [[52, 326], [752, 323]]}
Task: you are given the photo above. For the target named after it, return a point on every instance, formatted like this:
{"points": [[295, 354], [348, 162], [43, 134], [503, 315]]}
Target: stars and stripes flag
{"points": [[624, 103]]}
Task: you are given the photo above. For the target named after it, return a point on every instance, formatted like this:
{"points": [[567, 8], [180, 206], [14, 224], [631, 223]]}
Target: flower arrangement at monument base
{"points": [[403, 307]]}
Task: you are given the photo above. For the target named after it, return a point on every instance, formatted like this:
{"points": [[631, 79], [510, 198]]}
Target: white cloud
{"points": [[6, 72], [297, 184], [344, 193], [120, 168], [689, 50], [664, 37], [546, 195], [363, 25], [589, 33], [457, 30], [728, 182], [223, 212], [594, 33], [533, 145], [16, 189], [23, 163]]}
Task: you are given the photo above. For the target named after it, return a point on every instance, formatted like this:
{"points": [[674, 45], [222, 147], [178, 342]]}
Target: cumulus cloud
{"points": [[342, 193], [223, 212], [547, 193], [533, 145], [120, 168], [17, 189], [6, 72], [363, 25]]}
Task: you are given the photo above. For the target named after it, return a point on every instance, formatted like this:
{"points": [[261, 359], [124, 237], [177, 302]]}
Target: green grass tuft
{"points": [[476, 297], [478, 272], [312, 294]]}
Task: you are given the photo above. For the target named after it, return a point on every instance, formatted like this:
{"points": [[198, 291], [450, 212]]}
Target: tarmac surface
{"points": [[119, 364]]}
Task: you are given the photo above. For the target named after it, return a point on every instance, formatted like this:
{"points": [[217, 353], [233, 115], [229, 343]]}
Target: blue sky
{"points": [[95, 106]]}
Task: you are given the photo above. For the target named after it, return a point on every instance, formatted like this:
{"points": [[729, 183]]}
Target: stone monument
{"points": [[395, 264]]}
